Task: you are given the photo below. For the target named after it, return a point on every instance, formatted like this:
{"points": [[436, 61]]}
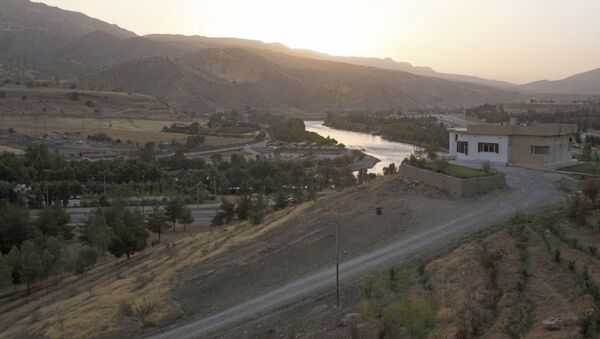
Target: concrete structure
{"points": [[456, 187], [533, 146]]}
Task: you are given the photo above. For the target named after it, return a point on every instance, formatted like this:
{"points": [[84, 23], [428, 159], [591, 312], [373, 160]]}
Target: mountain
{"points": [[191, 43], [35, 31], [587, 83], [230, 78]]}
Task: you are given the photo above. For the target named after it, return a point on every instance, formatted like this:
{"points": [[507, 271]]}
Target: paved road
{"points": [[202, 214], [528, 190]]}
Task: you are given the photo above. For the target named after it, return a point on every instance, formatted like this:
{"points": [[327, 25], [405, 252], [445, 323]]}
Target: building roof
{"points": [[543, 130]]}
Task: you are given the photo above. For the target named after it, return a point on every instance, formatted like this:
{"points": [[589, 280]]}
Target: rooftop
{"points": [[545, 130]]}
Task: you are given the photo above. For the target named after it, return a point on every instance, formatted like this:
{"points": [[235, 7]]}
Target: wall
{"points": [[576, 183], [456, 187], [498, 158], [520, 154]]}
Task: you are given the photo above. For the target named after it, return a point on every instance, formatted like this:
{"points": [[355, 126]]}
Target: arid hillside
{"points": [[233, 77]]}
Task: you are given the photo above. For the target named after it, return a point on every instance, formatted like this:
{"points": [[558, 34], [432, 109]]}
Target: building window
{"points": [[485, 147], [543, 150], [462, 147]]}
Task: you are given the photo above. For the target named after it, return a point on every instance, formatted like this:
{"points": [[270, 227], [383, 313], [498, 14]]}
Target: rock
{"points": [[552, 324], [349, 319]]}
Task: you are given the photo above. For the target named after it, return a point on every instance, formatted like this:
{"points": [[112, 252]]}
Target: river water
{"points": [[386, 151]]}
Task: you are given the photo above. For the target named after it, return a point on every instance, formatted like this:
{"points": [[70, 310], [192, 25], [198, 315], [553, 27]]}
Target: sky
{"points": [[512, 40]]}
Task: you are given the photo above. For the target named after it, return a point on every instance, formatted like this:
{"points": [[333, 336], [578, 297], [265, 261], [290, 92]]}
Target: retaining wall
{"points": [[457, 187], [576, 182]]}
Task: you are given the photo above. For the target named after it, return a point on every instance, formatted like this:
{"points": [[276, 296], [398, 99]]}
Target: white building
{"points": [[535, 146]]}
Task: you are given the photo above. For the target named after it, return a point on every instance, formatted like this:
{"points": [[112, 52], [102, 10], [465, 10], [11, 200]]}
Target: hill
{"points": [[34, 30], [232, 78], [585, 83]]}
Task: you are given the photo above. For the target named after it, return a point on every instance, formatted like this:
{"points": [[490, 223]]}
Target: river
{"points": [[386, 151]]}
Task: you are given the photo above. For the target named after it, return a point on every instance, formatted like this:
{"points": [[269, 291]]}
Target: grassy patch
{"points": [[461, 171], [592, 168]]}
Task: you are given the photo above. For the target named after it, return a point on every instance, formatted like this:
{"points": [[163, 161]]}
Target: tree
{"points": [[280, 200], [431, 150], [31, 264], [243, 206], [97, 233], [257, 211], [186, 217], [53, 221], [86, 258], [14, 226], [129, 234], [225, 215], [157, 221], [48, 263], [5, 272], [14, 260], [173, 210]]}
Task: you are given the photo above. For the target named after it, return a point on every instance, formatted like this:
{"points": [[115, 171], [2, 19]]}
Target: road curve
{"points": [[528, 190]]}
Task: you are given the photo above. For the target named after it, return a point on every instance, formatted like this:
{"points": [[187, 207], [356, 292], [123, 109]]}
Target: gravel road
{"points": [[435, 223]]}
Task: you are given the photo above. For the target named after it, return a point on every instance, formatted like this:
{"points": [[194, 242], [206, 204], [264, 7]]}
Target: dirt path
{"points": [[295, 261]]}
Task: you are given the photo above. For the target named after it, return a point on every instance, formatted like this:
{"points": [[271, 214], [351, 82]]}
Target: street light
{"points": [[337, 259]]}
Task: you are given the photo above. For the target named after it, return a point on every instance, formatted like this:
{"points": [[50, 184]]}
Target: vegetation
{"points": [[592, 168], [417, 130], [441, 165], [294, 130], [584, 117]]}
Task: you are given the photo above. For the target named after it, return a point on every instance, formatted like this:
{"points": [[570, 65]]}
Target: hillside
{"points": [[582, 83], [34, 31], [215, 78]]}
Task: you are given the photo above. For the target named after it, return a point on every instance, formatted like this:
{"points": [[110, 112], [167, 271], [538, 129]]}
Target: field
{"points": [[10, 150]]}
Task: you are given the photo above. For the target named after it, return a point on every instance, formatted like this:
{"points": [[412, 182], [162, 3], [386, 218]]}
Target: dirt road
{"points": [[295, 261]]}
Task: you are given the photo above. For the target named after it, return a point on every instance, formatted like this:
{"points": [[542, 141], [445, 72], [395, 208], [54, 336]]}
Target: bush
{"points": [[486, 166], [415, 314], [557, 255], [86, 259]]}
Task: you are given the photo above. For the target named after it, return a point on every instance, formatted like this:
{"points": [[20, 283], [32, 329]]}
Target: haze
{"points": [[508, 40]]}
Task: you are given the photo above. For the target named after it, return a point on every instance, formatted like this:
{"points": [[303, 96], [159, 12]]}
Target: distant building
{"points": [[533, 146]]}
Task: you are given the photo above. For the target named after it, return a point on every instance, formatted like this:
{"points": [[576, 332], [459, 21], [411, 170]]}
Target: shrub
{"points": [[415, 314], [557, 255], [590, 190], [86, 259], [486, 166]]}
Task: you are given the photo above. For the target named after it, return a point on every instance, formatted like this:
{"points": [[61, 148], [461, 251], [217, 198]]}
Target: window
{"points": [[462, 147], [485, 147], [539, 150]]}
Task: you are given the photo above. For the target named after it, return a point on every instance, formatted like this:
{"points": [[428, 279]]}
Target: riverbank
{"points": [[418, 131], [367, 162], [381, 152]]}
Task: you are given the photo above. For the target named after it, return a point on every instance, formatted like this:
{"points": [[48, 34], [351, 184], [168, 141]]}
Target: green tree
{"points": [[14, 226], [243, 207], [31, 264], [186, 217], [14, 260], [48, 263], [174, 210], [257, 212], [225, 214], [53, 221], [86, 258], [157, 221], [281, 200], [129, 234], [97, 232], [5, 272]]}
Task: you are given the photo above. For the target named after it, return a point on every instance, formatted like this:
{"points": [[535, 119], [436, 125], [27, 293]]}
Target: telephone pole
{"points": [[337, 259]]}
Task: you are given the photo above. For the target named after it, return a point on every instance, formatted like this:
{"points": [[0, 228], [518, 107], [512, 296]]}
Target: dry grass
{"points": [[128, 295], [11, 150]]}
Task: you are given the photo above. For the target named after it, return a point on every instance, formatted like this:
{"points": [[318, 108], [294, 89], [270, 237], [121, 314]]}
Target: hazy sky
{"points": [[514, 40]]}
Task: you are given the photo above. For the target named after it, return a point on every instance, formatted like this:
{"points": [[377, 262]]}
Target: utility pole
{"points": [[337, 259], [143, 189]]}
